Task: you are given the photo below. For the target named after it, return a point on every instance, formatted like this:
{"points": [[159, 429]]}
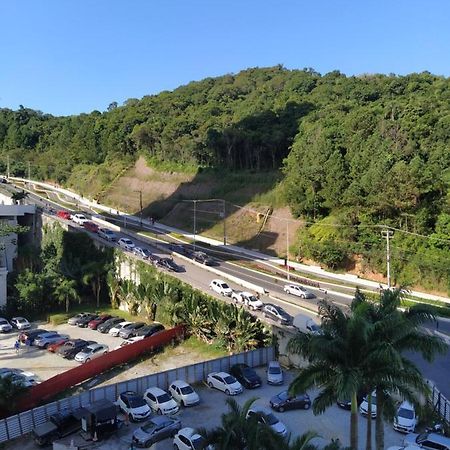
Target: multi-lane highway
{"points": [[162, 244]]}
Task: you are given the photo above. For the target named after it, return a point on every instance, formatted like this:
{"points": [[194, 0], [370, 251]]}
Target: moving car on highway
{"points": [[170, 264], [298, 290], [79, 218], [91, 226], [224, 382], [247, 299], [203, 258], [144, 253], [220, 287], [107, 234], [126, 244], [277, 313]]}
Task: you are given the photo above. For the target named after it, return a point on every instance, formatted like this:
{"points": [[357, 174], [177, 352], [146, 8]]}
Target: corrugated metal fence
{"points": [[20, 424], [440, 403]]}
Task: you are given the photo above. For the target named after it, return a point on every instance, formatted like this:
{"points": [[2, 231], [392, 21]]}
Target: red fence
{"points": [[49, 388]]}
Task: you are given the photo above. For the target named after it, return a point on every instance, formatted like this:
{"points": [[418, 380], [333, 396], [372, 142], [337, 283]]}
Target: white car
{"points": [[91, 352], [107, 234], [20, 323], [298, 290], [224, 382], [160, 401], [80, 219], [364, 407], [406, 420], [221, 287], [247, 299], [126, 244], [126, 342], [183, 393], [274, 373], [188, 439], [134, 405], [5, 326], [114, 331], [267, 417]]}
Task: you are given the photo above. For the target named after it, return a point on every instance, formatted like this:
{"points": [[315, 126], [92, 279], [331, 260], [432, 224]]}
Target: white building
{"points": [[10, 214]]}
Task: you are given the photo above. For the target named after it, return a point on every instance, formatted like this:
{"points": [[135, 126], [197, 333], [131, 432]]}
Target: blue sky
{"points": [[72, 56]]}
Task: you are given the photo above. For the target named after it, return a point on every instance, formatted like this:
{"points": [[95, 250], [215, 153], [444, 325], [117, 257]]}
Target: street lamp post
{"points": [[388, 234], [287, 250], [195, 220]]}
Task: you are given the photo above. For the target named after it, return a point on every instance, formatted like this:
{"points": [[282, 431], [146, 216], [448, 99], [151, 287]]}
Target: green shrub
{"points": [[58, 319]]}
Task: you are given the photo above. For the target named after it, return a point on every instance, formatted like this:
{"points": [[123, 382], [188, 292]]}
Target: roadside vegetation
{"points": [[363, 352]]}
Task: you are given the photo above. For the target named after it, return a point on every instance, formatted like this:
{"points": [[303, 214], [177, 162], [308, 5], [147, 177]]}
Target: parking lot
{"points": [[334, 423]]}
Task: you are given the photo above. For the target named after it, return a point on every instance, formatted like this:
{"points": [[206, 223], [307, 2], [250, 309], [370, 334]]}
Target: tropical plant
{"points": [[10, 392], [113, 288], [18, 197], [94, 276], [65, 292]]}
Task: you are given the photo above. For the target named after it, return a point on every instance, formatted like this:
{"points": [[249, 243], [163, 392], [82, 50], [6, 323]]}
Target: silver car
{"points": [[45, 339], [91, 352], [5, 326], [155, 430]]}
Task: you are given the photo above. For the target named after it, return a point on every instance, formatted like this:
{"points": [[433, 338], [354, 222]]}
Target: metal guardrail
{"points": [[15, 426]]}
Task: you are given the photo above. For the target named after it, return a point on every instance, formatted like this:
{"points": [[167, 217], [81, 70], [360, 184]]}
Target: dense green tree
{"points": [[65, 292]]}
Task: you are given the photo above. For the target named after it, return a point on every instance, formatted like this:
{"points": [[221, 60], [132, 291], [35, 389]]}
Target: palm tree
{"points": [[113, 288], [10, 392], [336, 359], [303, 442], [94, 273], [394, 332], [17, 197], [127, 294], [238, 432], [66, 291]]}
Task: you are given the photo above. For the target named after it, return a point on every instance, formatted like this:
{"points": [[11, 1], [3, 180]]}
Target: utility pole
{"points": [[388, 234], [287, 250], [7, 166], [195, 220], [224, 222], [140, 206]]}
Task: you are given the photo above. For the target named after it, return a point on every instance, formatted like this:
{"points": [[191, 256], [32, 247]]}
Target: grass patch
{"points": [[210, 351]]}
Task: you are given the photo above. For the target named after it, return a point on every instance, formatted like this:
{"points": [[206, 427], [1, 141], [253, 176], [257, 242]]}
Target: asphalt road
{"points": [[200, 278]]}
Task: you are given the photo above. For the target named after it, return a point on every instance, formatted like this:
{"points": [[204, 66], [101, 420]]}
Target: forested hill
{"points": [[366, 149]]}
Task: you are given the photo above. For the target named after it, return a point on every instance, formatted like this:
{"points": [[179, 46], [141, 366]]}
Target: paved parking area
{"points": [[42, 362], [334, 423]]}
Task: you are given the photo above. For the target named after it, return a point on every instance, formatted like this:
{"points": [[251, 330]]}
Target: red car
{"points": [[93, 324], [64, 215], [91, 226], [54, 347]]}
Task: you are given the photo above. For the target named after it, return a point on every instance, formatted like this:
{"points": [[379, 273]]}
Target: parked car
{"points": [[246, 376], [155, 430], [59, 425], [149, 330], [406, 420], [126, 244], [298, 290], [54, 347], [31, 335], [220, 287], [284, 401], [115, 330], [274, 373], [313, 327], [170, 264], [20, 377], [130, 330], [45, 339], [266, 416], [277, 313], [74, 320], [134, 405], [203, 258], [189, 439], [364, 407], [345, 403], [5, 326], [142, 252], [93, 324], [110, 323], [72, 347], [79, 218], [83, 322], [90, 352], [107, 234], [64, 215], [183, 393], [91, 226], [224, 382], [160, 401], [20, 323], [247, 299], [428, 441]]}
